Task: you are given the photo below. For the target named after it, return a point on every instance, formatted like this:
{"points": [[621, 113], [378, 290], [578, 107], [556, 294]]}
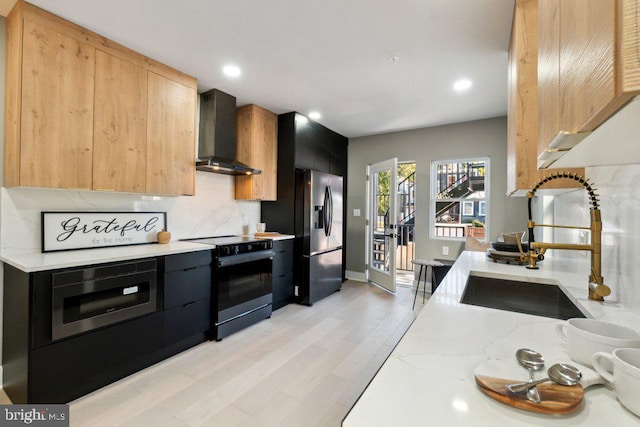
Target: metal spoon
{"points": [[532, 361], [560, 373]]}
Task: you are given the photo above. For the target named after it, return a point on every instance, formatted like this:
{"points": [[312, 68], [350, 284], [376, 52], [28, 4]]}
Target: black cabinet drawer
{"points": [[186, 320], [185, 286], [68, 369], [187, 260], [282, 290], [282, 264], [283, 245]]}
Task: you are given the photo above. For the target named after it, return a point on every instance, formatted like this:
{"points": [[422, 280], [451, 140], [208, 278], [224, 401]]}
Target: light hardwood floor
{"points": [[306, 366]]}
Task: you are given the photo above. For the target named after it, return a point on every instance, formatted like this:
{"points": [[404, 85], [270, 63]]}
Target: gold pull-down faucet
{"points": [[597, 289]]}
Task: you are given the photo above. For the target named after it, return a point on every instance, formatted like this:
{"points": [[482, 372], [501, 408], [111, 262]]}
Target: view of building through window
{"points": [[459, 198]]}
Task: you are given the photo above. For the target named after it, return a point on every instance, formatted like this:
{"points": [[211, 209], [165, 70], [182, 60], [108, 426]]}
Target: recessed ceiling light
{"points": [[231, 71], [314, 115], [462, 84]]}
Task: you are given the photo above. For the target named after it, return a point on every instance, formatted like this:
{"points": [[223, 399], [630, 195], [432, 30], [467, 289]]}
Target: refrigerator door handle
{"points": [[330, 213]]}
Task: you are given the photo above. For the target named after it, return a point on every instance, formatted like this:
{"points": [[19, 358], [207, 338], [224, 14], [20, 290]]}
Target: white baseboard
{"points": [[355, 275]]}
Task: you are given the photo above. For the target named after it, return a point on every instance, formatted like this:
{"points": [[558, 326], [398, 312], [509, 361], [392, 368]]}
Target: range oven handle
{"points": [[245, 258]]}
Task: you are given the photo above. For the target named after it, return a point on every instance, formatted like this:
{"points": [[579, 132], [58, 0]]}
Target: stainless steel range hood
{"points": [[217, 135]]}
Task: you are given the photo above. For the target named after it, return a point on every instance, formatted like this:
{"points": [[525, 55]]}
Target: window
{"points": [[467, 208], [459, 198], [482, 208]]}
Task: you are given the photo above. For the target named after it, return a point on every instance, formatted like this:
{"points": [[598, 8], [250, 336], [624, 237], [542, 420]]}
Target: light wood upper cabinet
{"points": [[120, 126], [522, 100], [81, 112], [171, 134], [257, 147], [548, 71], [589, 67], [57, 110]]}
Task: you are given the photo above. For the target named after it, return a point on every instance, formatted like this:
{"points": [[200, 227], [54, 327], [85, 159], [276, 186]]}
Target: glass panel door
{"points": [[382, 238]]}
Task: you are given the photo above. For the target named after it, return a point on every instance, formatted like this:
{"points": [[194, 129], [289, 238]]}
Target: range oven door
{"points": [[243, 284], [91, 298]]}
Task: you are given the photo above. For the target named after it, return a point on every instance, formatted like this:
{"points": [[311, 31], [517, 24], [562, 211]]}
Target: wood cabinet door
{"points": [[257, 147], [57, 110], [522, 99], [120, 125], [171, 109], [525, 107], [267, 132], [587, 54], [548, 72]]}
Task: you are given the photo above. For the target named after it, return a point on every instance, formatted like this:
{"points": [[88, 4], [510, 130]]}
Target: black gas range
{"points": [[241, 283]]}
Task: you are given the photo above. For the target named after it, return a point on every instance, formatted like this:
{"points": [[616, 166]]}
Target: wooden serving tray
{"points": [[268, 234], [554, 398]]}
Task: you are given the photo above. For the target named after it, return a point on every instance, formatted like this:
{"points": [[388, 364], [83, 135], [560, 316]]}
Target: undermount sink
{"points": [[523, 297]]}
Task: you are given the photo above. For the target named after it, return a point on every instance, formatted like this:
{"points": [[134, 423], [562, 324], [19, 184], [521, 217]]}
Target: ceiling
{"points": [[332, 56]]}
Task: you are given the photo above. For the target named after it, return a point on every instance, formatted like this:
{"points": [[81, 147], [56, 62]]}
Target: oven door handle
{"points": [[245, 258]]}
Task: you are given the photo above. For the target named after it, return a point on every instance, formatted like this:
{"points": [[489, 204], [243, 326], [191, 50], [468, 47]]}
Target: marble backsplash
{"points": [[620, 205], [212, 211]]}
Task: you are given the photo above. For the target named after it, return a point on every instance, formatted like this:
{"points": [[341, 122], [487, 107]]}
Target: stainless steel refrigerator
{"points": [[318, 229]]}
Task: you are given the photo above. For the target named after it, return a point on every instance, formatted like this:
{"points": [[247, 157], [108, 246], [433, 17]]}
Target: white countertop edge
{"points": [[278, 237], [30, 261]]}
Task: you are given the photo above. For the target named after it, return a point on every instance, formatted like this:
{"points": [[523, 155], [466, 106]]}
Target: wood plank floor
{"points": [[306, 366]]}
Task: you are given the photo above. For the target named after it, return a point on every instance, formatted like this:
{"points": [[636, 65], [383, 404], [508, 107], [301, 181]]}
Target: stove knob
{"points": [[265, 245], [249, 247], [226, 250], [236, 249]]}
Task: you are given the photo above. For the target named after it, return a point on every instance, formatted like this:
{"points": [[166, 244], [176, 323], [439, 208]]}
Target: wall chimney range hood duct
{"points": [[217, 135]]}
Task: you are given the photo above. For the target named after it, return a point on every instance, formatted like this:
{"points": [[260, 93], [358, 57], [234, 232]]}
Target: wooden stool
{"points": [[423, 263]]}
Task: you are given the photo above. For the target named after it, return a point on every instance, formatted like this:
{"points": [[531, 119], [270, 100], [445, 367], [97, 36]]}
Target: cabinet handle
{"points": [[190, 268], [188, 304]]}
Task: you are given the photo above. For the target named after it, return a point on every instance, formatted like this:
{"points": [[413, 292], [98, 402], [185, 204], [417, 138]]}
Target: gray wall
{"points": [[482, 138]]}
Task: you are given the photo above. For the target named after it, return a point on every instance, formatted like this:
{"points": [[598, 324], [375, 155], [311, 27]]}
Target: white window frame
{"points": [[466, 204], [482, 208], [433, 188]]}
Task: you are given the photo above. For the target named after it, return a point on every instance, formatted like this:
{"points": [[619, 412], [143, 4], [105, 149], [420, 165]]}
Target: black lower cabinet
{"points": [[187, 300], [188, 320], [41, 368], [66, 370], [282, 277]]}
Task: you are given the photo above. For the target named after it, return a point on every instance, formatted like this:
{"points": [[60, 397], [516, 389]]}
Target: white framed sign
{"points": [[63, 231]]}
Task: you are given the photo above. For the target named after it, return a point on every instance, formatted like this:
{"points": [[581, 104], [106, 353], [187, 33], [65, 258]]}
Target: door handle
{"points": [[330, 213]]}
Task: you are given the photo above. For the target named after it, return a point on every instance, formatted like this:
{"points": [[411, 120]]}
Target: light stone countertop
{"points": [[429, 377], [31, 261]]}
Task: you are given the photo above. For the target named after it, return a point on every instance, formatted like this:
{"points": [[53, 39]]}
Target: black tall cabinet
{"points": [[303, 144]]}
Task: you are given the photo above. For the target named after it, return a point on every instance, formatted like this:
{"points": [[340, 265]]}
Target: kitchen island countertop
{"points": [[429, 377]]}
